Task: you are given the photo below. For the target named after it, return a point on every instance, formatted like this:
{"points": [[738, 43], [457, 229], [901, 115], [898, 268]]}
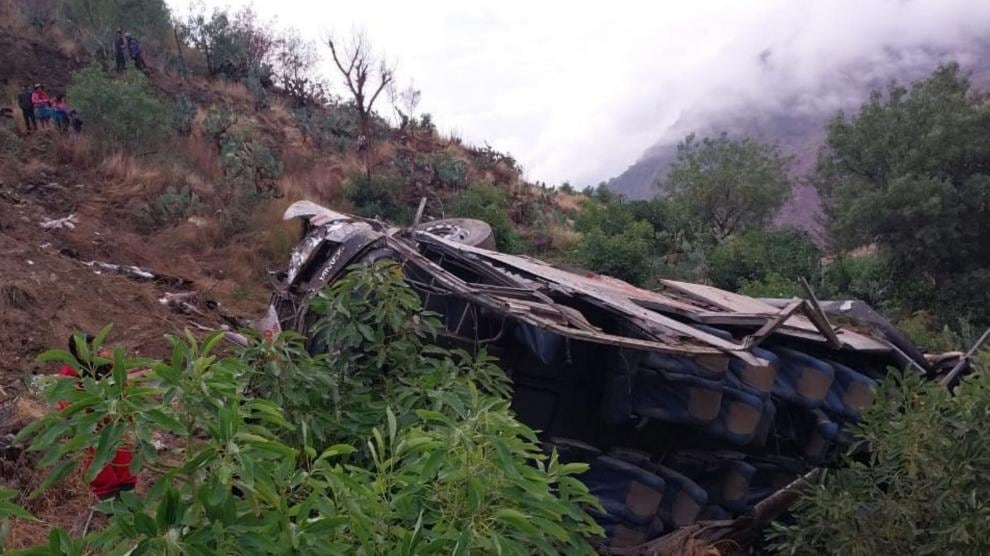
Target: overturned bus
{"points": [[689, 403]]}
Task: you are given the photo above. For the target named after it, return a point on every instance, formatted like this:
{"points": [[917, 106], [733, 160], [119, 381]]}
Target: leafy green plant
{"points": [[219, 122], [377, 197], [731, 185], [615, 242], [866, 277], [449, 170], [902, 173], [170, 207], [924, 331], [777, 257], [250, 167], [491, 204], [388, 445], [920, 485], [123, 110], [183, 114], [334, 126]]}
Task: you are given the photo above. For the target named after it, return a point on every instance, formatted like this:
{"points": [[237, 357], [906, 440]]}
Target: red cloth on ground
{"points": [[116, 475]]}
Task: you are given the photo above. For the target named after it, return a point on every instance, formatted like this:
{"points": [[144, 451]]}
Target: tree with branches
{"points": [[364, 76], [404, 103]]}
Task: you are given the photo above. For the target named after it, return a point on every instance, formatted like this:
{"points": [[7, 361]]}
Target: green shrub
{"points": [[449, 170], [249, 165], [332, 127], [123, 110], [491, 204], [774, 257], [921, 488], [858, 277], [627, 255], [378, 197], [614, 241], [170, 207], [183, 114], [772, 285], [391, 446], [219, 121], [924, 331]]}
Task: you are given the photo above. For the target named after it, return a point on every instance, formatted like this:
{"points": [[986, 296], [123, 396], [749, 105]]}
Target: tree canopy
{"points": [[911, 173], [731, 184]]}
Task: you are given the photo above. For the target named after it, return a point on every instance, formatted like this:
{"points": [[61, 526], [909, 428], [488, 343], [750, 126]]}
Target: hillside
{"points": [[794, 120], [167, 207]]}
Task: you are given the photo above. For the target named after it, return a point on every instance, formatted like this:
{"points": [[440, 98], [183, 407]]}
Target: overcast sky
{"points": [[577, 91]]}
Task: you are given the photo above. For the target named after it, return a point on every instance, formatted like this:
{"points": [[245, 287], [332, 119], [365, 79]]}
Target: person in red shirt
{"points": [[116, 476], [42, 104]]}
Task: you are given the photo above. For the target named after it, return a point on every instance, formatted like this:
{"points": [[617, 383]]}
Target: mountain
{"points": [[794, 118]]}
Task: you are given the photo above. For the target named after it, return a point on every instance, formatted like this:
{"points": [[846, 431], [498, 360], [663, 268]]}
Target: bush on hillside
{"points": [[331, 127], [920, 489], [378, 197], [250, 166], [234, 44], [627, 256], [491, 204], [393, 445], [183, 114], [866, 277], [171, 206], [910, 174], [924, 331], [122, 110], [766, 256], [449, 170], [615, 242], [96, 21]]}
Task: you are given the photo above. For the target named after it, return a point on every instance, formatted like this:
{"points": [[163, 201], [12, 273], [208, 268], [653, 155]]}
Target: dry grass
{"points": [[319, 179], [131, 177], [563, 238], [202, 155], [34, 171], [570, 201], [78, 151], [278, 237], [65, 43], [16, 296], [230, 90]]}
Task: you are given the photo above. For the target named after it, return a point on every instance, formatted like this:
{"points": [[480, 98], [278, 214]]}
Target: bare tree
{"points": [[364, 76], [404, 103]]}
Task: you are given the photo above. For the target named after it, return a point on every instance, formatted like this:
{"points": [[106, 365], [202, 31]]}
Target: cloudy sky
{"points": [[577, 91]]}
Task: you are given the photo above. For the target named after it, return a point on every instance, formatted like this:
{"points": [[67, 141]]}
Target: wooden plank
{"points": [[755, 338], [796, 326], [818, 316]]}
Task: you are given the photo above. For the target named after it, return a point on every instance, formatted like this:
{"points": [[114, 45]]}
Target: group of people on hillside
{"points": [[39, 110], [125, 45]]}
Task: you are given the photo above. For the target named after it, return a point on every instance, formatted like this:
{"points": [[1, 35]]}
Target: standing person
{"points": [[116, 476], [134, 47], [41, 101], [27, 109], [120, 51], [60, 114]]}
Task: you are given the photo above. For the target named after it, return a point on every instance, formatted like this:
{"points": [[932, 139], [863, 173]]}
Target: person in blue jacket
{"points": [[134, 48]]}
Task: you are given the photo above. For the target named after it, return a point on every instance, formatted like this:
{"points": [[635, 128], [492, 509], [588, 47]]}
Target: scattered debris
{"points": [[66, 223]]}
